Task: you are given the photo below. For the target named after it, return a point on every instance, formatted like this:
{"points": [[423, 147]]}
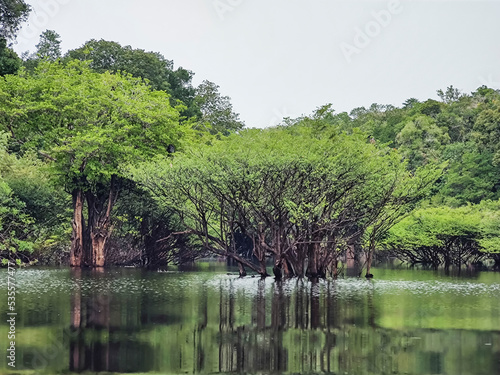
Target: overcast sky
{"points": [[278, 58]]}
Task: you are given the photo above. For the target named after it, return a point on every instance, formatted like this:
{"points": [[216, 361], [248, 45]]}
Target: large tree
{"points": [[9, 60], [152, 66], [88, 124], [48, 48], [12, 14], [217, 113], [299, 194]]}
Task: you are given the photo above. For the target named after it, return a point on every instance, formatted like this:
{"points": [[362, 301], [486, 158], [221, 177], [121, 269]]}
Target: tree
{"points": [[421, 141], [12, 14], [216, 110], [487, 129], [49, 46], [151, 66], [88, 124], [299, 193], [9, 60], [410, 103], [451, 94], [447, 236]]}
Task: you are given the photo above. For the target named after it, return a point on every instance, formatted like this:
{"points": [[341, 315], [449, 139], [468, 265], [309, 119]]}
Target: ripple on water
{"points": [[41, 281]]}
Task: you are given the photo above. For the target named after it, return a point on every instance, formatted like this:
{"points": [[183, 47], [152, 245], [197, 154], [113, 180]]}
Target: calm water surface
{"points": [[135, 321]]}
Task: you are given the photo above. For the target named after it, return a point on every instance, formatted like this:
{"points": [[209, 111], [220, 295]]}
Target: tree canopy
{"points": [[107, 144], [88, 124], [107, 56], [297, 193], [12, 14]]}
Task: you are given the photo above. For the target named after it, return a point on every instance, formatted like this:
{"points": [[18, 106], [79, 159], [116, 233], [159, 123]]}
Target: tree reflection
{"points": [[290, 326]]}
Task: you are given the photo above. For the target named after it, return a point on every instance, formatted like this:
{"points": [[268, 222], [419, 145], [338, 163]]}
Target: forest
{"points": [[110, 156]]}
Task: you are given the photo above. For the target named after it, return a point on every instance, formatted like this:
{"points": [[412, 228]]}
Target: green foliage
{"points": [[14, 224], [487, 129], [30, 195], [105, 56], [12, 14], [217, 114], [9, 60], [430, 108], [451, 94], [490, 226], [471, 176], [444, 235], [88, 123], [286, 187], [421, 140]]}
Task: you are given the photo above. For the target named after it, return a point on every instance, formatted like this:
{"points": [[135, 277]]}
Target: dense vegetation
{"points": [[109, 155]]}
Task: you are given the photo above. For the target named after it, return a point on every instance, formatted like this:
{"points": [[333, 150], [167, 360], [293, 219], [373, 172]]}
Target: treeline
{"points": [[109, 155], [297, 194], [68, 126]]}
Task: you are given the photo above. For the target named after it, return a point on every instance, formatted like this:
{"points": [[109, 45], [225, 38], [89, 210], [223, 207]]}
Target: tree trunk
{"points": [[312, 269], [77, 237], [369, 260], [99, 224], [277, 270], [241, 269], [99, 231], [98, 238]]}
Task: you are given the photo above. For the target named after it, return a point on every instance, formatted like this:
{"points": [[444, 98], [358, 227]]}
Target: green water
{"points": [[209, 322]]}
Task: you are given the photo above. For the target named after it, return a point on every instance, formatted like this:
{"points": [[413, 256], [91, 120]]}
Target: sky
{"points": [[285, 58]]}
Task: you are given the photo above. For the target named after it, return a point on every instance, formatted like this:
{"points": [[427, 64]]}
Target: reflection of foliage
{"points": [[220, 324]]}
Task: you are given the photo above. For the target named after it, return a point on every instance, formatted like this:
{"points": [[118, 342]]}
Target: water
{"points": [[135, 321]]}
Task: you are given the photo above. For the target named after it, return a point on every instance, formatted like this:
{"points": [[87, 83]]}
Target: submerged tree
{"points": [[87, 124], [447, 236], [298, 193]]}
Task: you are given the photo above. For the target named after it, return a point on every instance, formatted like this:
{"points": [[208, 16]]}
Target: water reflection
{"points": [[135, 321]]}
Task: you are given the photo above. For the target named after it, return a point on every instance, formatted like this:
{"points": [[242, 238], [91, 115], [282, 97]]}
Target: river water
{"points": [[209, 321]]}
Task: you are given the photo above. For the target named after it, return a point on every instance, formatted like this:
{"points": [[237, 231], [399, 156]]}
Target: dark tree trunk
{"points": [[76, 258], [278, 272], [99, 223], [369, 261], [312, 269], [241, 269]]}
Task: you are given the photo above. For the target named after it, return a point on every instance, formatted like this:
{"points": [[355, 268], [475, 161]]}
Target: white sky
{"points": [[278, 58]]}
